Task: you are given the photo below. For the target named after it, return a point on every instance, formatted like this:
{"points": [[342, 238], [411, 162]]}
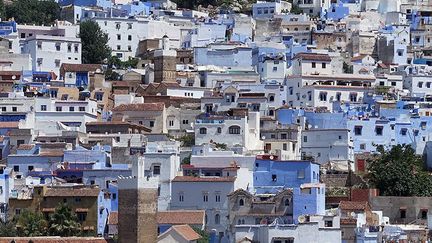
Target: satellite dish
{"points": [[271, 157], [353, 214], [301, 219], [13, 77], [263, 137]]}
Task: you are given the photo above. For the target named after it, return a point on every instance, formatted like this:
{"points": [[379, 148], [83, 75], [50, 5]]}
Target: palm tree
{"points": [[31, 224], [63, 222]]}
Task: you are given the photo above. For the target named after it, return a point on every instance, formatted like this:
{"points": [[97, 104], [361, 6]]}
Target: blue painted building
{"points": [[271, 175], [337, 11], [136, 8], [308, 199], [7, 27]]}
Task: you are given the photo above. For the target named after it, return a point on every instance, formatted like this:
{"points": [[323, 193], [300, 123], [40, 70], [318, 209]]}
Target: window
{"points": [[424, 213], [118, 47], [58, 108], [82, 217], [16, 168], [205, 197], [14, 109], [71, 108], [69, 48], [305, 139], [379, 130], [30, 168], [328, 223], [363, 146], [404, 131], [129, 37], [203, 130], [129, 26], [99, 96], [3, 108], [284, 147], [234, 130], [156, 170], [76, 47], [241, 202], [217, 197], [82, 108], [402, 213], [323, 65], [22, 35], [151, 123], [300, 174], [271, 98], [274, 69], [219, 130], [358, 130], [274, 177], [171, 123], [129, 48], [323, 96], [420, 84], [287, 202], [77, 199], [217, 219], [118, 37], [181, 197], [58, 46], [43, 107], [313, 65], [17, 211]]}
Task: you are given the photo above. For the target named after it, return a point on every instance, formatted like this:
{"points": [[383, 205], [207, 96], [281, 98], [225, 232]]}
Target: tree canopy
{"points": [[63, 222], [94, 41], [32, 11], [399, 172], [31, 224]]}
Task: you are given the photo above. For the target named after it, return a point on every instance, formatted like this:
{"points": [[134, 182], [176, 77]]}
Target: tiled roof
{"points": [[113, 218], [349, 205], [54, 153], [203, 179], [71, 192], [313, 57], [348, 221], [69, 67], [26, 146], [10, 73], [140, 107], [191, 217], [9, 124], [186, 232], [358, 58]]}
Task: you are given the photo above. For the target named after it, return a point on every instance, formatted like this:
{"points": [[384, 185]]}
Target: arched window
{"points": [[271, 98], [217, 219], [271, 112], [219, 130], [241, 202], [203, 130], [234, 130], [287, 203]]}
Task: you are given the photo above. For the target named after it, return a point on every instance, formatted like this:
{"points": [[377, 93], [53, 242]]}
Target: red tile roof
{"points": [[349, 205], [140, 107], [9, 124], [348, 221], [190, 217], [203, 179], [69, 67], [358, 58], [313, 57], [26, 146], [186, 232], [71, 192]]}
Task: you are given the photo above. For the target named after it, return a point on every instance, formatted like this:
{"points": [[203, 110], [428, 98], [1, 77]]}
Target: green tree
{"points": [[205, 237], [63, 222], [399, 172], [31, 224], [94, 41], [2, 10], [33, 11], [8, 228]]}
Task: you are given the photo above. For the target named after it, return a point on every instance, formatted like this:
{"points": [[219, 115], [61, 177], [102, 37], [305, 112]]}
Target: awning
{"points": [[48, 210], [402, 208]]}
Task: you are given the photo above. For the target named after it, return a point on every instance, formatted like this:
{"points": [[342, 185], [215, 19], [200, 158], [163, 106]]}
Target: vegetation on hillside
{"points": [[31, 11], [94, 41]]}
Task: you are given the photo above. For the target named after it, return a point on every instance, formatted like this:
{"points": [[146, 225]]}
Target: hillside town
{"points": [[215, 121]]}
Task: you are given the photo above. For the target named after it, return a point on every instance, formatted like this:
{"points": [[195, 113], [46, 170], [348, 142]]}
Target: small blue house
{"points": [[271, 175]]}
